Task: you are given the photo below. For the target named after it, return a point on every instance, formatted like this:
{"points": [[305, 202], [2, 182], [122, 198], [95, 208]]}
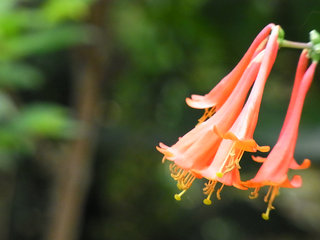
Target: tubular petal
{"points": [[239, 137], [301, 69], [197, 148], [218, 95], [274, 169]]}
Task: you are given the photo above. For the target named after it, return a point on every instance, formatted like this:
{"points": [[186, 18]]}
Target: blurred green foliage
{"points": [[27, 29]]}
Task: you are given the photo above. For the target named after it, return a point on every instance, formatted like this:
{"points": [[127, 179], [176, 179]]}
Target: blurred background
{"points": [[88, 88]]}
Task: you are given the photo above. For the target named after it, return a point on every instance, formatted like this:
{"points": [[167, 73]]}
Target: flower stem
{"points": [[298, 45]]}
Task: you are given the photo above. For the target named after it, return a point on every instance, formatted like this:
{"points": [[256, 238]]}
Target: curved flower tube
{"points": [[239, 138], [219, 94], [196, 149], [275, 167], [195, 152]]}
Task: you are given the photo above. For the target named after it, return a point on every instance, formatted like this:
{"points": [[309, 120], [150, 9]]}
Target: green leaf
{"points": [[45, 120], [44, 41], [60, 10], [12, 141], [19, 76]]}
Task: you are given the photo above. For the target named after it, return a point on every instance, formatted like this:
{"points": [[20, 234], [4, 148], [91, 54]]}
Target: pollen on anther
{"points": [[219, 174], [265, 216], [207, 201], [177, 197]]}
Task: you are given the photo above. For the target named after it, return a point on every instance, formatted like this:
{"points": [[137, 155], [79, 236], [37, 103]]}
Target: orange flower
{"points": [[196, 150], [212, 101], [274, 169], [239, 138]]}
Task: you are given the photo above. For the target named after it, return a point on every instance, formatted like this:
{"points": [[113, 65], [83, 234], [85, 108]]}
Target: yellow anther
{"points": [[207, 201], [265, 216], [219, 174], [178, 196], [208, 190]]}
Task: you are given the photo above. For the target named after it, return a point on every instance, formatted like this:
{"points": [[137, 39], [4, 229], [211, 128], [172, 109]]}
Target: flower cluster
{"points": [[214, 147]]}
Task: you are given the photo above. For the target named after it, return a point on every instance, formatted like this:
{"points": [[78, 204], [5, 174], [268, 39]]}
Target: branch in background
{"points": [[73, 176]]}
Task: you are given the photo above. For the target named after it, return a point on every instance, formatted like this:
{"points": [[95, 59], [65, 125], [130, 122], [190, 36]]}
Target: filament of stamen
{"points": [[208, 112], [255, 193], [177, 174], [186, 181], [268, 194], [234, 160], [208, 190], [231, 154], [275, 190], [183, 177], [172, 168], [219, 191]]}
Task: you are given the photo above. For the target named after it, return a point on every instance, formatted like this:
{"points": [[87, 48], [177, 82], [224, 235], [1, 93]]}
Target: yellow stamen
{"points": [[207, 201], [178, 196], [231, 161], [186, 181], [172, 168], [275, 190], [177, 173], [255, 193], [163, 159], [183, 177], [219, 174], [208, 190], [265, 215], [231, 155], [234, 161], [208, 112]]}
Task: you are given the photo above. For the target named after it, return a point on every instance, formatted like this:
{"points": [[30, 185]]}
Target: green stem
{"points": [[298, 45]]}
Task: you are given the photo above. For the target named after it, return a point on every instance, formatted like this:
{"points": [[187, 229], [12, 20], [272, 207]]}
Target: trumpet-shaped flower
{"points": [[214, 100], [196, 150], [274, 169], [225, 166]]}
